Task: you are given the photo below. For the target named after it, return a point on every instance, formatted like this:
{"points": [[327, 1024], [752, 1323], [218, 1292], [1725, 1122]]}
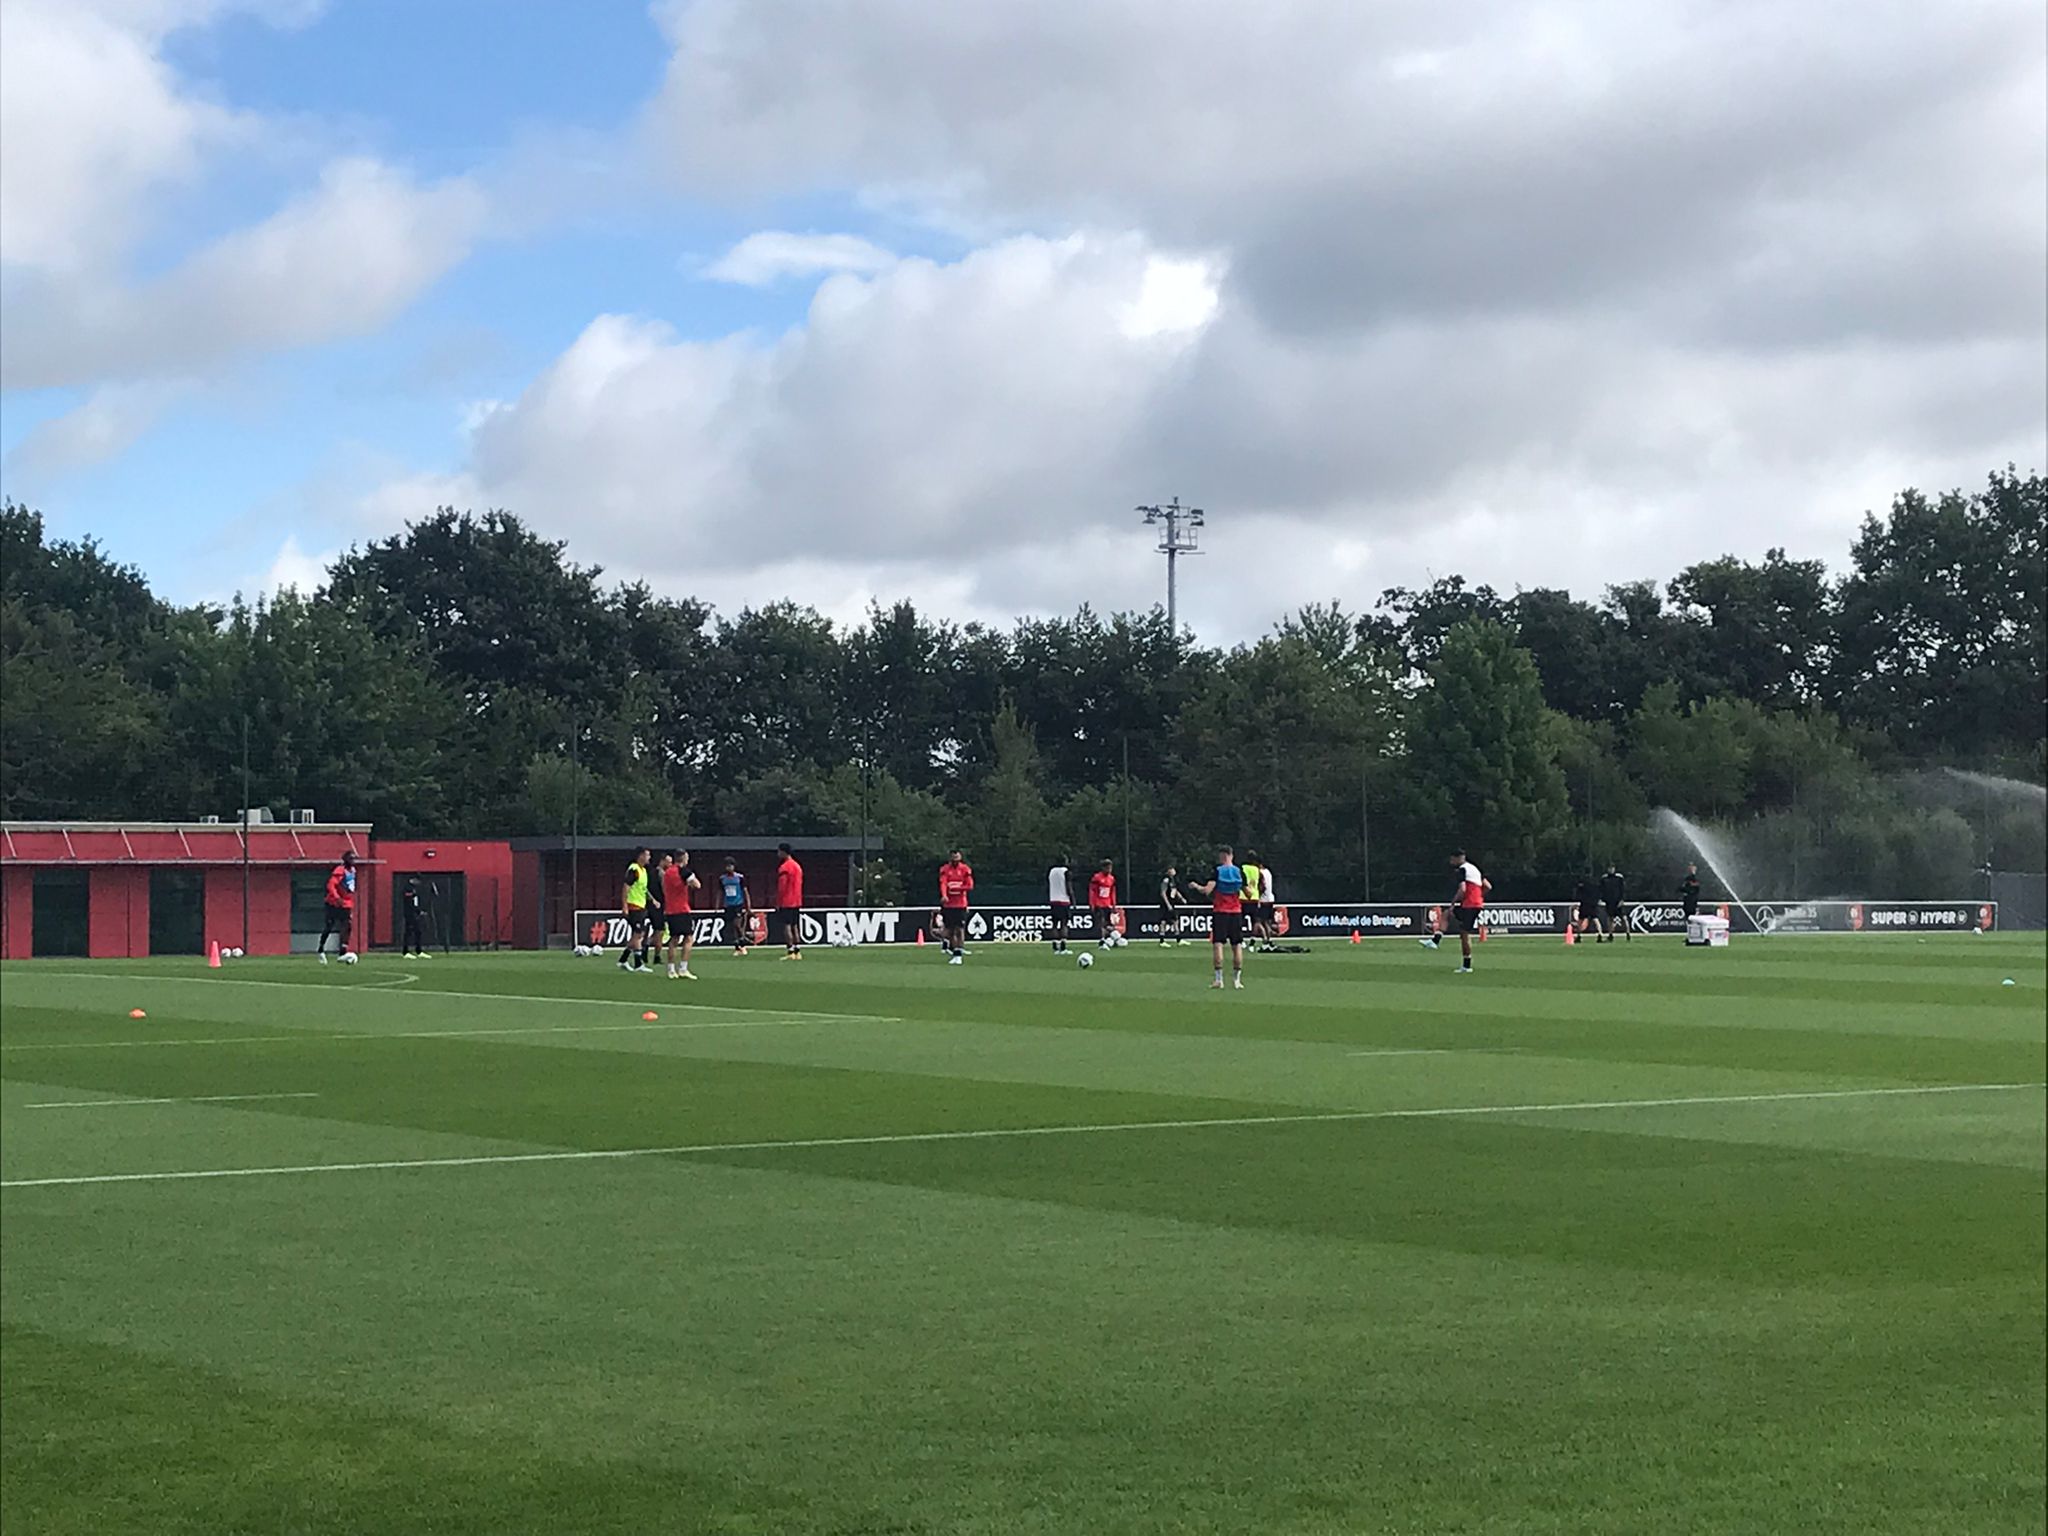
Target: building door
{"points": [[63, 903], [177, 912]]}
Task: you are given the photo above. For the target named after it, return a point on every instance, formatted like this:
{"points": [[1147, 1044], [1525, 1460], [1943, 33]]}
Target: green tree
{"points": [[1696, 760], [1481, 739]]}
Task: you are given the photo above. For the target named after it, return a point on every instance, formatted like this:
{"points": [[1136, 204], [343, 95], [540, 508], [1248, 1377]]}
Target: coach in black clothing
{"points": [[1613, 904]]}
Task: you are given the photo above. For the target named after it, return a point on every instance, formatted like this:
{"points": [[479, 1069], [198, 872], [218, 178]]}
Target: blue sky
{"points": [[787, 298]]}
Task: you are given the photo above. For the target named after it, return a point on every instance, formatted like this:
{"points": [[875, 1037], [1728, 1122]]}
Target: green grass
{"points": [[813, 1299]]}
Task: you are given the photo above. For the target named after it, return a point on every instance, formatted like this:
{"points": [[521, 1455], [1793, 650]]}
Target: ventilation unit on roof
{"points": [[209, 821], [303, 816], [258, 817]]}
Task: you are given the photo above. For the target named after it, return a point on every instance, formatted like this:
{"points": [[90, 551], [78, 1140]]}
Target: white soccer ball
{"points": [[597, 951], [349, 958], [1086, 960], [582, 950]]}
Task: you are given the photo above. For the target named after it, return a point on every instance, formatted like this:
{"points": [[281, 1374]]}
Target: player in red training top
{"points": [[1102, 901], [341, 906], [956, 880], [1466, 908], [676, 884], [789, 902]]}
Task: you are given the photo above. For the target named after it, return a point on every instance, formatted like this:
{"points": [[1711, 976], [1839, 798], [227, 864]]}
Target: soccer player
{"points": [[1226, 918], [676, 884], [633, 908], [789, 902], [411, 945], [1689, 892], [1102, 902], [1269, 908], [1466, 908], [955, 881], [1169, 906], [732, 895], [1059, 903], [341, 907], [1588, 920], [1254, 896], [1614, 904]]}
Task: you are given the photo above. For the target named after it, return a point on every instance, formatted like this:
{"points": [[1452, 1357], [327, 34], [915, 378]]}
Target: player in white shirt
{"points": [[1269, 909], [1059, 901], [1467, 908]]}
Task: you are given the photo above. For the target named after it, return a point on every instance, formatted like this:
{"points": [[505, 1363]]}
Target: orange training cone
{"points": [[1354, 936], [1571, 935], [920, 938], [650, 1015], [1482, 933], [213, 953], [137, 1013]]}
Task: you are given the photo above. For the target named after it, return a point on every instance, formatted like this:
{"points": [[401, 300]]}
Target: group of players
{"points": [[659, 905]]}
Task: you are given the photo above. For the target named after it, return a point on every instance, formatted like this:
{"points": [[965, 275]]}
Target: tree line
{"points": [[466, 677]]}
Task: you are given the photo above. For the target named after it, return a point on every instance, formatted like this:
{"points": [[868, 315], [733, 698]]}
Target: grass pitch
{"points": [[1617, 1239]]}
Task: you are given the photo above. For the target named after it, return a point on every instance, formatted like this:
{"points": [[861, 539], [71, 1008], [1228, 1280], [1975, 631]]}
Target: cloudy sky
{"points": [[840, 299]]}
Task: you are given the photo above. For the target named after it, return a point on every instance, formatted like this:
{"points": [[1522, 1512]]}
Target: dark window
{"points": [[177, 912], [62, 902], [309, 908]]}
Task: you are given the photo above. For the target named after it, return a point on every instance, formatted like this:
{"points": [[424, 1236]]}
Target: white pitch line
{"points": [[657, 999], [795, 1144], [776, 1020], [1418, 1051], [201, 1098]]}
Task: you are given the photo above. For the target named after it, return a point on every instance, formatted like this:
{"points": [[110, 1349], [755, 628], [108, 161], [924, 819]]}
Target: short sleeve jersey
{"points": [[675, 888], [955, 881], [636, 885], [1251, 881], [1102, 889], [1229, 893], [732, 887], [789, 884], [341, 886], [1471, 886]]}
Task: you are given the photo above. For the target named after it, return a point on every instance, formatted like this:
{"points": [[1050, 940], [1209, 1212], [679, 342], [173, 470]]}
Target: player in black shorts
{"points": [[1588, 918], [1613, 905], [1170, 900]]}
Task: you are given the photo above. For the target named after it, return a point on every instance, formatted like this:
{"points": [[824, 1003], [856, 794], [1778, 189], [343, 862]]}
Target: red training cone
{"points": [[1571, 935], [920, 938], [1482, 933], [213, 953], [1354, 936]]}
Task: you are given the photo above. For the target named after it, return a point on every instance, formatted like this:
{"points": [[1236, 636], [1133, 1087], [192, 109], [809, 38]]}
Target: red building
{"points": [[107, 889], [465, 892]]}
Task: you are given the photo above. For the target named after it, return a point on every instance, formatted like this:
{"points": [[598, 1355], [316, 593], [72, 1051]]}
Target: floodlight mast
{"points": [[1178, 525]]}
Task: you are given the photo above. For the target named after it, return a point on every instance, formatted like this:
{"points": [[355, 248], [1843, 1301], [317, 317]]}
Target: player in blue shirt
{"points": [[1226, 917], [732, 891]]}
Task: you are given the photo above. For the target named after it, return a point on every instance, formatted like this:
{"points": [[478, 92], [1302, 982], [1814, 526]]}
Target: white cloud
{"points": [[341, 260], [104, 425], [295, 569], [91, 121], [771, 255]]}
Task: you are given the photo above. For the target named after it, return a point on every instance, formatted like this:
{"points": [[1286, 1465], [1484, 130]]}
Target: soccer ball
{"points": [[1086, 961], [582, 949], [349, 958], [597, 951], [239, 952]]}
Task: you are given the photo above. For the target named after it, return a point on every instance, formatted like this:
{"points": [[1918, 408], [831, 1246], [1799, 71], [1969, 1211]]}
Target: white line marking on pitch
{"points": [[1417, 1051], [200, 1098], [456, 1034], [657, 999], [1317, 1118]]}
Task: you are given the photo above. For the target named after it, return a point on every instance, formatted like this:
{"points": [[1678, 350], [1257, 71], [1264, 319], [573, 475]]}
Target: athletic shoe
{"points": [[1237, 983], [1216, 985], [323, 957], [1429, 943], [1463, 970], [686, 974], [954, 961]]}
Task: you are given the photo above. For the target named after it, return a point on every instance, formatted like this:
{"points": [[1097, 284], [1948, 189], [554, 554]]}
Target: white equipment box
{"points": [[1706, 928]]}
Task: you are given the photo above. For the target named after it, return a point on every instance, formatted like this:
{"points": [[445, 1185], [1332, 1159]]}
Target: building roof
{"points": [[847, 844], [181, 842]]}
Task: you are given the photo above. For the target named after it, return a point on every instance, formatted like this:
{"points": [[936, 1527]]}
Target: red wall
{"points": [[117, 914], [270, 908], [17, 913], [487, 897]]}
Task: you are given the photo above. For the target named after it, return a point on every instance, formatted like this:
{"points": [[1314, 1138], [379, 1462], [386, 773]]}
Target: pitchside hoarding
{"points": [[1326, 920]]}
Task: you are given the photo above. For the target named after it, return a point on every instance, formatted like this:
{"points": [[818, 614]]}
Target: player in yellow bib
{"points": [[633, 905], [1254, 896]]}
